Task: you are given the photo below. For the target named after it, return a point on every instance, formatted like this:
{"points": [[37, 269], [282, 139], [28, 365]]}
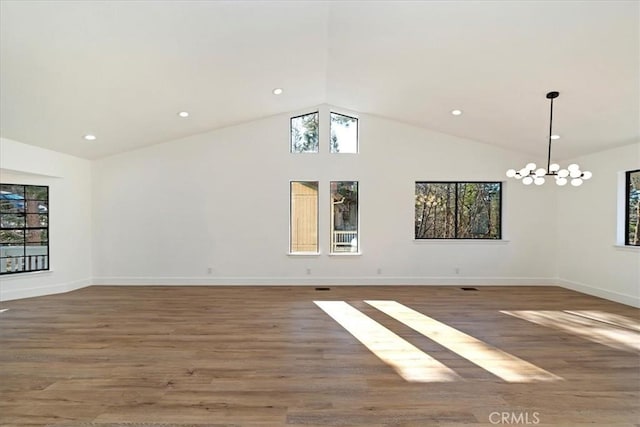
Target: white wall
{"points": [[589, 259], [220, 200], [167, 213], [69, 181]]}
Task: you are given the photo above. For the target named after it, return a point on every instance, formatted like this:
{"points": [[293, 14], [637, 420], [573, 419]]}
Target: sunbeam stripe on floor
{"points": [[410, 362], [504, 365]]}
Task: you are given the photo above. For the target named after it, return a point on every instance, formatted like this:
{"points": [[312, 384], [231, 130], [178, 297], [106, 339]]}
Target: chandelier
{"points": [[531, 174]]}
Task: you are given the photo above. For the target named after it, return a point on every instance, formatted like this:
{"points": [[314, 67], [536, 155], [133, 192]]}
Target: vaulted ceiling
{"points": [[122, 70]]}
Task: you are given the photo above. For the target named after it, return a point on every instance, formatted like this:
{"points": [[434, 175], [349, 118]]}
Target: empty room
{"points": [[319, 213]]}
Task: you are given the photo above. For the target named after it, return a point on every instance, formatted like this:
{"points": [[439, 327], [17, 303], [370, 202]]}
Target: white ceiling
{"points": [[122, 70]]}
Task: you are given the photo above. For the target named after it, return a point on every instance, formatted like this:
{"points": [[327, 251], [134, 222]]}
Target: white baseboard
{"points": [[632, 300], [18, 290], [336, 281]]}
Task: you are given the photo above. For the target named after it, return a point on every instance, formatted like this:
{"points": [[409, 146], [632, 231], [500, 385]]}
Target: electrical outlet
{"points": [[308, 271], [210, 270], [457, 270], [379, 271]]}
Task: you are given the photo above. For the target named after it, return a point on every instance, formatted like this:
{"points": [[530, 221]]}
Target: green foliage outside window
{"points": [[304, 133], [458, 210], [344, 134]]}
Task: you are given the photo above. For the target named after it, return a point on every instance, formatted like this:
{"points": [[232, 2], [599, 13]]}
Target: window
{"points": [[304, 133], [344, 134], [632, 209], [24, 228], [344, 216], [304, 217], [304, 196], [458, 210]]}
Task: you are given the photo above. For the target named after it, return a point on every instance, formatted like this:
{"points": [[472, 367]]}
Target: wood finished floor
{"points": [[268, 356]]}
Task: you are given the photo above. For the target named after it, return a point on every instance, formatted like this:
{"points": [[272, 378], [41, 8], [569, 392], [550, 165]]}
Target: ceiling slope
{"points": [[123, 70]]}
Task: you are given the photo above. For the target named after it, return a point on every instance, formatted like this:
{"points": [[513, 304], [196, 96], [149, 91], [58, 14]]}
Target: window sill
{"points": [[627, 248], [345, 254], [462, 241], [24, 275], [303, 254]]}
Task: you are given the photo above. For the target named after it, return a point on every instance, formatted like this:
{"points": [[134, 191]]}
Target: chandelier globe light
{"points": [[531, 174]]}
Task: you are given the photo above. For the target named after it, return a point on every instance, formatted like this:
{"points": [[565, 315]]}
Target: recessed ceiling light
{"points": [[555, 136], [90, 137], [456, 112], [277, 91], [183, 114]]}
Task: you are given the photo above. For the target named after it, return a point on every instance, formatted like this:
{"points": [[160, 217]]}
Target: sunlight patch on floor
{"points": [[610, 318], [598, 331], [410, 362], [504, 365]]}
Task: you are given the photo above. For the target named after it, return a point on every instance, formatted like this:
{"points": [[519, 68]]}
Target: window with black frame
{"points": [[344, 133], [458, 210], [344, 217], [632, 211], [304, 133], [24, 228]]}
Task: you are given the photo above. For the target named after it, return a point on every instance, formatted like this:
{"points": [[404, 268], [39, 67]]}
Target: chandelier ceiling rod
{"points": [[551, 96]]}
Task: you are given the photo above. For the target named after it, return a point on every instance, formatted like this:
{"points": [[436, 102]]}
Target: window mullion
{"points": [[455, 219]]}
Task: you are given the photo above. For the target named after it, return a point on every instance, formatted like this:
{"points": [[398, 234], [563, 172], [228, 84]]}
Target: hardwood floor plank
{"points": [[269, 356]]}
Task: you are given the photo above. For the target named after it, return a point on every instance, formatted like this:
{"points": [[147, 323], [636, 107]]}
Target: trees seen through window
{"points": [[458, 210]]}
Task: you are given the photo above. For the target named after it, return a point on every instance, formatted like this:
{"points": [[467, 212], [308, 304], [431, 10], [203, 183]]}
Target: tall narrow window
{"points": [[458, 210], [344, 216], [304, 133], [632, 211], [304, 217], [24, 228], [344, 134]]}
